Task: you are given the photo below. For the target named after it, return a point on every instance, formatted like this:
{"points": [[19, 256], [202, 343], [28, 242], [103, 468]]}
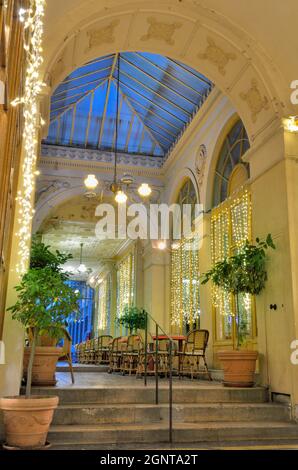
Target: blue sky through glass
{"points": [[157, 98]]}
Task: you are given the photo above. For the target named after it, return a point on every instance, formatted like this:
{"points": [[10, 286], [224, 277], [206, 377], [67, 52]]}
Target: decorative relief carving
{"points": [[217, 56], [100, 36], [255, 101], [99, 156], [201, 163], [161, 31]]}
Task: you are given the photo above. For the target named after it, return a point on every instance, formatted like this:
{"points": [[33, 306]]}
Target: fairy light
{"points": [[125, 283], [230, 228], [103, 305], [185, 298], [33, 23]]}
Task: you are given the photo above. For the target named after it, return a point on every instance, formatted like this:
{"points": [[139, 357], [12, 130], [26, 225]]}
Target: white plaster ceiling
{"points": [[73, 223]]}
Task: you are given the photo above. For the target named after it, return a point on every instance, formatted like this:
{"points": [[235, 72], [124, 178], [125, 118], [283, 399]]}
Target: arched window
{"points": [[187, 195], [230, 228], [185, 299], [231, 172]]}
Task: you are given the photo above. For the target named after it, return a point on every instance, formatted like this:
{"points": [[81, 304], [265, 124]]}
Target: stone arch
{"points": [[195, 35], [53, 200]]}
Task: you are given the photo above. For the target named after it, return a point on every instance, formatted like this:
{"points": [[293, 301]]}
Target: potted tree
{"points": [[44, 302], [133, 318], [243, 273]]}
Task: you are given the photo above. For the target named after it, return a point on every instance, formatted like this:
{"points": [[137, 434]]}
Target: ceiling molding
{"points": [[98, 156]]}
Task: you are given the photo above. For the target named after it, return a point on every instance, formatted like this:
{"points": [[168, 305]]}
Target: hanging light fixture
{"points": [[116, 187], [82, 267], [120, 197], [144, 190], [91, 183]]}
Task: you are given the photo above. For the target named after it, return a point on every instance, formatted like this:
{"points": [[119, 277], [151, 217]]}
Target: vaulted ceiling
{"points": [[158, 97]]}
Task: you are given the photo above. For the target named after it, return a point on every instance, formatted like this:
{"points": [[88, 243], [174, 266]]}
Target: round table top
{"points": [[174, 337]]}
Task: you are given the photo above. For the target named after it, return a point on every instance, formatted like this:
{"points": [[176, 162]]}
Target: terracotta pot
{"points": [[46, 340], [239, 367], [27, 420], [44, 366]]}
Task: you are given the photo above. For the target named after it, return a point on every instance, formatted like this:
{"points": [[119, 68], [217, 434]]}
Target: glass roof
{"points": [[157, 98]]}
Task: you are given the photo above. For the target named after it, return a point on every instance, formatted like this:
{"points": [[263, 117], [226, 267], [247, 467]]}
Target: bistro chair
{"points": [[193, 353], [118, 346], [130, 356], [102, 348], [66, 355], [81, 353], [163, 356], [87, 352]]}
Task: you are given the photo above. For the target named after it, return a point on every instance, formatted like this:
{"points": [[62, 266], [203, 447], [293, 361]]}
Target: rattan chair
{"points": [[81, 353], [130, 356], [66, 355], [87, 352], [91, 357], [193, 353], [162, 358], [102, 348], [115, 354]]}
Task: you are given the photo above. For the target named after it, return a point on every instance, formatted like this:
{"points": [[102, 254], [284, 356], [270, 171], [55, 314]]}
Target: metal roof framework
{"points": [[158, 98]]}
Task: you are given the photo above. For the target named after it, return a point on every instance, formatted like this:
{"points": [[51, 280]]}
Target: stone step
{"points": [[146, 395], [140, 413], [182, 432]]}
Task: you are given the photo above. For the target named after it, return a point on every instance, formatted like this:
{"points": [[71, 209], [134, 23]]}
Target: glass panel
{"points": [[161, 93], [234, 147]]}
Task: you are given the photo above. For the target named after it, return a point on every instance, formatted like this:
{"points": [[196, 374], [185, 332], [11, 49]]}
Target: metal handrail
{"points": [[171, 342]]}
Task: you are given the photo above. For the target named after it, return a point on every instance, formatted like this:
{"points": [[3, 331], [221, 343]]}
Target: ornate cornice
{"points": [[87, 155]]}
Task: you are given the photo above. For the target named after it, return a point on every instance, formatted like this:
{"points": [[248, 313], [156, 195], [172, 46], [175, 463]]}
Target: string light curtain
{"points": [[104, 304], [185, 296], [33, 19], [125, 283], [230, 228]]}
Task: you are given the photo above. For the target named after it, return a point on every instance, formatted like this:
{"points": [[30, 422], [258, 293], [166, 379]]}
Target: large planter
{"points": [[27, 420], [44, 365], [239, 367]]}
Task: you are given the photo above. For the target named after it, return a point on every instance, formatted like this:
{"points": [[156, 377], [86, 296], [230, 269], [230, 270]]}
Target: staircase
{"points": [[202, 413]]}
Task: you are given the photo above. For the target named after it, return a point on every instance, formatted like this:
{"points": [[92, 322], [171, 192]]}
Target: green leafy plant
{"points": [[133, 318], [243, 273], [42, 257], [44, 299]]}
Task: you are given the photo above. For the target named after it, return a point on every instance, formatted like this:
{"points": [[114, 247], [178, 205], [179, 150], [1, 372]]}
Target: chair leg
{"points": [[209, 375], [71, 370]]}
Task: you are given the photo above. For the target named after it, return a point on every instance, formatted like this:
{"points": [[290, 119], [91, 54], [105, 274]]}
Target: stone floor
{"points": [[103, 379]]}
